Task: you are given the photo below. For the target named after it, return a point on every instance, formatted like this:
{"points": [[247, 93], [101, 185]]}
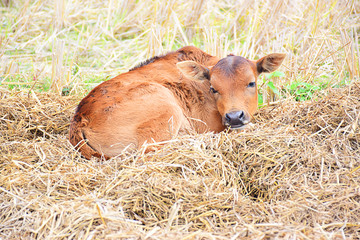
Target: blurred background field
{"points": [[294, 175], [68, 46]]}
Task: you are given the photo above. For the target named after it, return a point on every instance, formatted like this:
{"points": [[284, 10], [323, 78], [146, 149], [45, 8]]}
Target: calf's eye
{"points": [[251, 85], [213, 90]]}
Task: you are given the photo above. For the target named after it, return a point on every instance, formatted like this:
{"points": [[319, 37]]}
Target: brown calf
{"points": [[182, 90]]}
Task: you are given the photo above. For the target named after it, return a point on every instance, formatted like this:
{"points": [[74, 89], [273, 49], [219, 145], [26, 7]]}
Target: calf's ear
{"points": [[270, 62], [193, 70]]}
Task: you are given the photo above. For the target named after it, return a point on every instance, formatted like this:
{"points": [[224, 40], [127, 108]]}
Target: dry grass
{"points": [[295, 174]]}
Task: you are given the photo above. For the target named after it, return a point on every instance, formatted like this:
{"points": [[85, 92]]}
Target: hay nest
{"points": [[294, 174]]}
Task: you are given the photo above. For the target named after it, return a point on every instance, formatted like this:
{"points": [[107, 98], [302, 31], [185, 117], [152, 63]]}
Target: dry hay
{"points": [[295, 174]]}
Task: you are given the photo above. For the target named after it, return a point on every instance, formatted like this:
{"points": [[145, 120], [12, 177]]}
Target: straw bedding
{"points": [[294, 174]]}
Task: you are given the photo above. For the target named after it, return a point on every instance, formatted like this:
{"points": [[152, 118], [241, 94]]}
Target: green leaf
{"points": [[273, 88], [260, 100], [275, 74]]}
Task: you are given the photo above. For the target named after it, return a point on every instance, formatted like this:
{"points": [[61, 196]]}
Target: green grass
{"points": [[299, 90], [19, 83]]}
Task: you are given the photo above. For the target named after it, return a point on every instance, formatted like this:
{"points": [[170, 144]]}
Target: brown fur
{"points": [[158, 99]]}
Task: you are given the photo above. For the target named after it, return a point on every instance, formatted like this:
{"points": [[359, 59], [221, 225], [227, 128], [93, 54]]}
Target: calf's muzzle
{"points": [[236, 119]]}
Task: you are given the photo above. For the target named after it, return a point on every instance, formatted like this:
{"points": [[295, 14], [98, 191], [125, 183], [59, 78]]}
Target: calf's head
{"points": [[233, 82]]}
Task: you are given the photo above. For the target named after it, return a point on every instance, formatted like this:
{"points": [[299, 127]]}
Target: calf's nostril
{"points": [[227, 118], [241, 114]]}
